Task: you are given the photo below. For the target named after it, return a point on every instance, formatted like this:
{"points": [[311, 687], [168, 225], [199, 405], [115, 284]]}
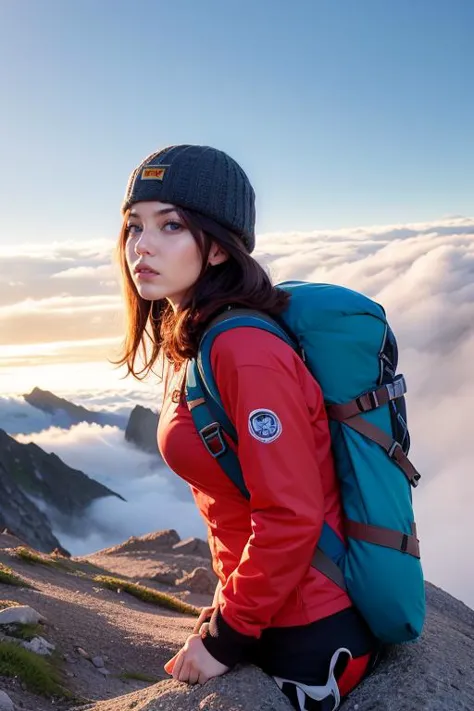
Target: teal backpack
{"points": [[348, 346]]}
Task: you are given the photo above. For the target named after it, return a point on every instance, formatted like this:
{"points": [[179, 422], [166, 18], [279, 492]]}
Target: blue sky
{"points": [[343, 112]]}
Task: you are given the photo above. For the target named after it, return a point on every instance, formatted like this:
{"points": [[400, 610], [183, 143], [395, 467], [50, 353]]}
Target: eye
{"points": [[133, 229], [173, 225]]}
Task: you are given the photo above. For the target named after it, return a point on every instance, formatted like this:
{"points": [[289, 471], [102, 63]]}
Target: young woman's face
{"points": [[161, 253]]}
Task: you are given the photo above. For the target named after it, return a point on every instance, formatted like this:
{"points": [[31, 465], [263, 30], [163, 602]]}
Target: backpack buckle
{"points": [[367, 401], [397, 388], [213, 440], [394, 450]]}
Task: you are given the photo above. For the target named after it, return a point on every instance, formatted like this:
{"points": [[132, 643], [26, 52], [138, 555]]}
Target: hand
{"points": [[193, 663]]}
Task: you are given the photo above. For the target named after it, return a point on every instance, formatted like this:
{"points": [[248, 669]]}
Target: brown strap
{"points": [[329, 568], [194, 403], [384, 537], [368, 401], [391, 446]]}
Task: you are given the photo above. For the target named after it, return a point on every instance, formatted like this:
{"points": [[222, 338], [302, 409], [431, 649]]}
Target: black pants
{"points": [[303, 653]]}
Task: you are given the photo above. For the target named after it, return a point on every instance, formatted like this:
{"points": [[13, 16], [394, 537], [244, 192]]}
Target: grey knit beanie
{"points": [[200, 178]]}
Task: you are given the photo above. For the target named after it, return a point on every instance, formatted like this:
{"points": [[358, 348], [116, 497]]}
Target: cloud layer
{"points": [[155, 497], [423, 274]]}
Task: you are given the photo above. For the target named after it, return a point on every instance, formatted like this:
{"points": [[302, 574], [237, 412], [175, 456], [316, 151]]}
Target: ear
{"points": [[217, 255]]}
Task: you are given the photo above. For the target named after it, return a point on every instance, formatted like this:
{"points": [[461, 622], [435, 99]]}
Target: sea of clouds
{"points": [[422, 273]]}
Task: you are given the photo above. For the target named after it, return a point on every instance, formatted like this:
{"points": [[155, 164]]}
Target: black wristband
{"points": [[223, 642]]}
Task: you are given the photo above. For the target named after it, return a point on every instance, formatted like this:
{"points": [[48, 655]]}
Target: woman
{"points": [[188, 231]]}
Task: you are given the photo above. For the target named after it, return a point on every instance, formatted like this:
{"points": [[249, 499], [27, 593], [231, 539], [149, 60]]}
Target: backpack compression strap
{"points": [[349, 414], [388, 537]]}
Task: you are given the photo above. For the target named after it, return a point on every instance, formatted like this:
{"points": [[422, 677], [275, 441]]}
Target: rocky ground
{"points": [[105, 638], [129, 635]]}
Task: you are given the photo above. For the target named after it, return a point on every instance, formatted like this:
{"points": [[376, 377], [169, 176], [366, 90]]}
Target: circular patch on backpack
{"points": [[264, 425]]}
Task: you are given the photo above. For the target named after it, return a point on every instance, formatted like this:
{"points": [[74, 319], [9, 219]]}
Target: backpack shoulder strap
{"points": [[204, 375], [211, 421], [208, 416], [227, 321], [202, 394]]}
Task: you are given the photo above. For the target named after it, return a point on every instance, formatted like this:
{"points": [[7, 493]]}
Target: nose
{"points": [[143, 243]]}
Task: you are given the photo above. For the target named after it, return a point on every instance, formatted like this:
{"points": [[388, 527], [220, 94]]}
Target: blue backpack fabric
{"points": [[348, 346]]}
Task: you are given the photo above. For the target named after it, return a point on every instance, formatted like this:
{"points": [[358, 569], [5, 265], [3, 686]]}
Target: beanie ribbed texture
{"points": [[200, 178]]}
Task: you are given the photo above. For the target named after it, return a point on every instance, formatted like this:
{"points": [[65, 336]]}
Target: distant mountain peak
{"points": [[49, 402], [66, 413], [141, 429]]}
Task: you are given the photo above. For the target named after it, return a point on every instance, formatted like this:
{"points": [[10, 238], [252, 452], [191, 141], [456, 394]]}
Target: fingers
{"points": [[193, 676], [197, 626], [186, 673], [168, 667], [178, 666], [189, 663], [204, 628]]}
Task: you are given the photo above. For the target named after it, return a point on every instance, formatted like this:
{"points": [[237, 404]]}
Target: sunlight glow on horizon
{"points": [[68, 378], [52, 348]]}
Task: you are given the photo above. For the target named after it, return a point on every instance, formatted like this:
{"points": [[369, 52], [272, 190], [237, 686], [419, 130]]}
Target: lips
{"points": [[145, 270]]}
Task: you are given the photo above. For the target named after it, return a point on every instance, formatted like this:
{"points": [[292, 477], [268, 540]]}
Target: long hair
{"points": [[153, 328]]}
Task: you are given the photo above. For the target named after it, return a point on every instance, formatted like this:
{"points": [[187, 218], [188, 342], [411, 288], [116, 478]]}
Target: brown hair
{"points": [[239, 281]]}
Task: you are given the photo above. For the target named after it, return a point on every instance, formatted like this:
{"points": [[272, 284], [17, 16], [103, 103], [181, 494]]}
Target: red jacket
{"points": [[262, 548]]}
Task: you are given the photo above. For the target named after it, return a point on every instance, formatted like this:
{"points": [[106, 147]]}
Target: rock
{"points": [[242, 689], [434, 674], [40, 646], [155, 542], [97, 662], [61, 552], [6, 704], [103, 671], [166, 574], [193, 546], [70, 660], [141, 429], [82, 653], [9, 540], [20, 614], [201, 580]]}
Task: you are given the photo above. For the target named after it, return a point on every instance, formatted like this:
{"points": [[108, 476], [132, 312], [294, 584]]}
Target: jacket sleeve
{"points": [[264, 399]]}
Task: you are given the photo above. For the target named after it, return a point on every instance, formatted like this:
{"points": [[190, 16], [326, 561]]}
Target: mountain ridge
{"points": [[30, 478]]}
